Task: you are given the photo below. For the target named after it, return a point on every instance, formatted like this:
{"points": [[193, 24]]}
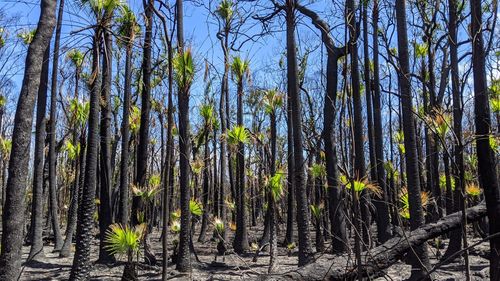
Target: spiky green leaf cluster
{"points": [[240, 68], [273, 100], [123, 240], [195, 207], [184, 69], [238, 134], [225, 10], [276, 186], [76, 58]]}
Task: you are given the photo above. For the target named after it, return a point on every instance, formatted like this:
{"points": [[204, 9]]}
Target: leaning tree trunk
{"points": [[81, 261], [383, 256], [36, 228], [419, 258], [305, 249], [487, 164], [13, 212]]}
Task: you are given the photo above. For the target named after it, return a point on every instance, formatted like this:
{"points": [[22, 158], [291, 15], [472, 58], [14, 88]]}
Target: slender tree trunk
{"points": [[487, 165], [86, 207], [384, 232], [124, 165], [240, 243], [184, 258], [419, 257], [36, 235], [105, 170], [13, 211], [273, 238], [305, 249]]}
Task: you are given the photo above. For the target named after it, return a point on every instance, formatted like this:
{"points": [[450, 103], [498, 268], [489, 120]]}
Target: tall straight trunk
{"points": [[384, 232], [455, 244], [487, 167], [86, 207], [105, 170], [223, 120], [206, 183], [36, 228], [52, 157], [124, 164], [184, 254], [305, 249], [75, 200], [168, 192], [290, 211], [419, 257], [142, 146], [335, 200], [359, 155], [13, 211], [240, 243], [273, 237]]}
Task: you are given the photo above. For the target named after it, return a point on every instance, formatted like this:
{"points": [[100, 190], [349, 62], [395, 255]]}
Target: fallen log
{"points": [[380, 257]]}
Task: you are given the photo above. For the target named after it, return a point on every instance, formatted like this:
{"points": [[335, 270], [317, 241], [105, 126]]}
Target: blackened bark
{"points": [[487, 165], [305, 249], [81, 261], [105, 170], [13, 211], [420, 261], [384, 231], [36, 227], [240, 243]]}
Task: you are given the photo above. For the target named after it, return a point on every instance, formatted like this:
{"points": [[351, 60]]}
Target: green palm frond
{"points": [[72, 149], [128, 27], [195, 207], [184, 69], [404, 199], [154, 181], [276, 185], [175, 226], [134, 119], [316, 210], [123, 240], [240, 69], [225, 10], [27, 36], [318, 170], [79, 111], [360, 185], [76, 57], [238, 134], [273, 100], [2, 37], [5, 146], [100, 7], [219, 226]]}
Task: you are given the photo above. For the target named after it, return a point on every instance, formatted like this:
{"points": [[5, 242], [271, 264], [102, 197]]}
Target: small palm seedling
{"points": [[125, 241], [404, 199], [290, 247], [219, 229]]}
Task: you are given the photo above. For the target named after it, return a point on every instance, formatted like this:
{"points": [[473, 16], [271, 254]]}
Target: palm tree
{"points": [[240, 71], [273, 100], [13, 213], [184, 74], [305, 250], [79, 113], [122, 240], [128, 30], [105, 169], [81, 261], [209, 125], [487, 164], [52, 133], [384, 231], [36, 228], [142, 146], [419, 257], [225, 11]]}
